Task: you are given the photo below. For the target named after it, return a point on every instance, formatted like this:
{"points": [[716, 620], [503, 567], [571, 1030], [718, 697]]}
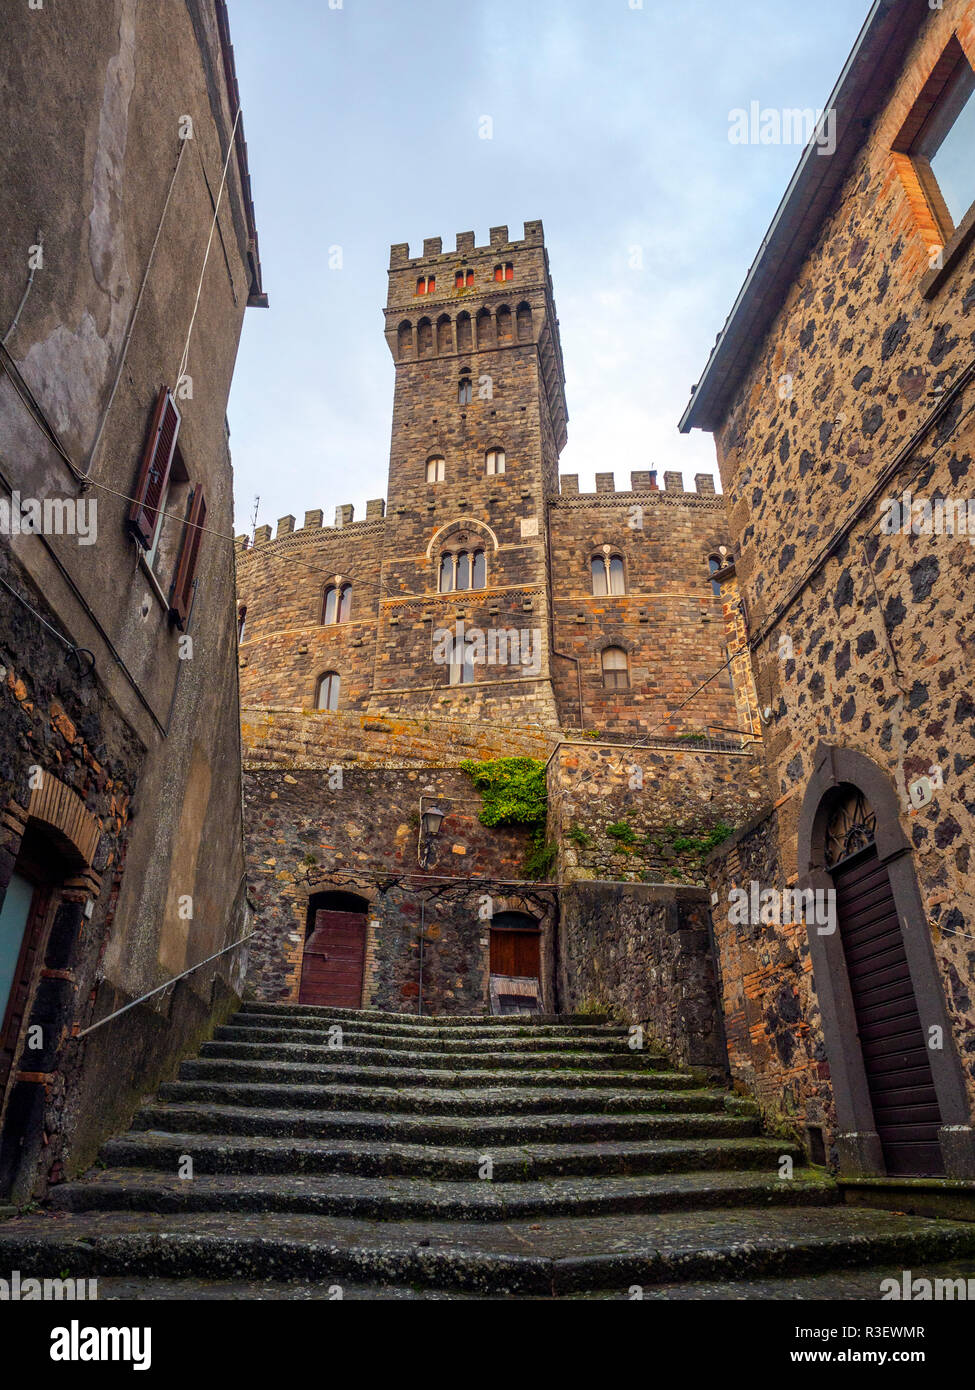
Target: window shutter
{"points": [[181, 592], [157, 459]]}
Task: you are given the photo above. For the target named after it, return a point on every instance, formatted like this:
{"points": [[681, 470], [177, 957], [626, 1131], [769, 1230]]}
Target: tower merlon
{"points": [[399, 253]]}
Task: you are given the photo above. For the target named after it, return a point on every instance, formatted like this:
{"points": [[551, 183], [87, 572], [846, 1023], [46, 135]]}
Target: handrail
{"points": [[159, 988]]}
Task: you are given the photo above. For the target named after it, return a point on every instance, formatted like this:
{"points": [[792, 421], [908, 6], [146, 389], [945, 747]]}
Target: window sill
{"points": [[954, 249]]}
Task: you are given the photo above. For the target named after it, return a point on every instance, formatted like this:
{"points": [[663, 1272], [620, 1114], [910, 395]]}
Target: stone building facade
{"points": [[840, 397], [121, 860], [484, 609]]}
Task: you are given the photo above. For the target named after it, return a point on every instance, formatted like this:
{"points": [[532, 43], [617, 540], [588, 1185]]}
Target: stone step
{"points": [[506, 1100], [478, 1130], [515, 1026], [392, 1199], [164, 1151], [502, 1021], [235, 1069], [622, 1060], [554, 1256], [432, 1043]]}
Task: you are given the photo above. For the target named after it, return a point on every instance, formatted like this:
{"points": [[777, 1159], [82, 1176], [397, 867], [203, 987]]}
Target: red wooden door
{"points": [[514, 952], [333, 960], [892, 1038]]}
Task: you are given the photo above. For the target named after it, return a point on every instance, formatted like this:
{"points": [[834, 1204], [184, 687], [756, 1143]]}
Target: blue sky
{"points": [[610, 124]]}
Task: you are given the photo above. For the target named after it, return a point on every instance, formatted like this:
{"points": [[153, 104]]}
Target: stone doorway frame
{"points": [[860, 1151]]}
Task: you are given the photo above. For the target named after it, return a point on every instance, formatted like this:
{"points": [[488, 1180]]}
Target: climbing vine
{"points": [[514, 793]]}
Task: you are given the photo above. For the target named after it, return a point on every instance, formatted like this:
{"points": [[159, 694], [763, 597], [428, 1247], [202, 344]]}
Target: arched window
{"points": [[436, 468], [714, 564], [485, 329], [465, 338], [504, 272], [404, 339], [445, 336], [465, 390], [327, 691], [462, 661], [607, 574], [494, 460], [503, 319], [462, 569], [241, 621], [424, 338], [524, 317], [616, 672], [338, 603]]}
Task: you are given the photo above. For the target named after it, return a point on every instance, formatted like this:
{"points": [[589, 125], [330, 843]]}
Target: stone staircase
{"points": [[451, 1158]]}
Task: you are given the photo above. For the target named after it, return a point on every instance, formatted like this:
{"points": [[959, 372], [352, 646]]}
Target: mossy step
{"points": [[493, 1100], [560, 1255], [397, 1199], [421, 1028], [263, 1154], [396, 1127], [433, 1043], [622, 1059], [502, 1021], [236, 1069]]}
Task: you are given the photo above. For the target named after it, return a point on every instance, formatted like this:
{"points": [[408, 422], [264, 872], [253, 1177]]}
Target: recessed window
{"points": [[426, 284], [463, 279], [436, 469], [504, 272], [607, 575], [714, 564], [462, 569], [462, 661], [939, 136], [337, 607], [616, 672], [465, 391], [241, 622], [327, 691], [494, 459]]}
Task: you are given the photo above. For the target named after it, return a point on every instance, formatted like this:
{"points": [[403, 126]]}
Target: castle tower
{"points": [[479, 420]]}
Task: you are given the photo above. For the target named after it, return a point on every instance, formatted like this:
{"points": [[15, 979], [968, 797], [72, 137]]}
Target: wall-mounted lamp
{"points": [[430, 822]]}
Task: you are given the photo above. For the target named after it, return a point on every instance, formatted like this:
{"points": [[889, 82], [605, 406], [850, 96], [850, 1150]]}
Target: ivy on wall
{"points": [[514, 793]]}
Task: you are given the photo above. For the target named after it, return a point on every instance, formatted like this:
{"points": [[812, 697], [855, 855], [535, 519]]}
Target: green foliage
{"points": [[622, 831], [579, 836], [514, 793], [692, 738]]}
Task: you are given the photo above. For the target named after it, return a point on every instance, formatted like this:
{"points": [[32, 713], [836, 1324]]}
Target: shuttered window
{"points": [[181, 591], [153, 475]]}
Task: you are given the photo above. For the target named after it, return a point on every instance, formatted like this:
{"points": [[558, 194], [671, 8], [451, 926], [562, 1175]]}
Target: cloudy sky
{"points": [[611, 123]]}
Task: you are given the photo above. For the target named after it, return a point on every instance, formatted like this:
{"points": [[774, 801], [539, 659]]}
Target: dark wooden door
{"points": [[514, 952], [24, 919], [892, 1038], [333, 960]]}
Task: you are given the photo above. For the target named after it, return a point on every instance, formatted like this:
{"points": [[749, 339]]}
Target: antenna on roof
{"points": [[257, 503]]}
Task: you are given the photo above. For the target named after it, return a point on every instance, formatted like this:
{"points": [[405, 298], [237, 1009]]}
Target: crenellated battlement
{"points": [[641, 481], [399, 254], [314, 524]]}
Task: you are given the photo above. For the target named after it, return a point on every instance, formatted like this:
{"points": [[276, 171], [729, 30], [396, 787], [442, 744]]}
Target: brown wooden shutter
{"points": [[157, 459], [181, 592]]}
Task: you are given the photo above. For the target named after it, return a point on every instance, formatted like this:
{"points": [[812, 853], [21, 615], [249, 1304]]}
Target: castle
{"points": [[485, 608]]}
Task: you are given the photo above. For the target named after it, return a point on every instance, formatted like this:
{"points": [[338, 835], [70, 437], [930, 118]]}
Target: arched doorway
{"points": [[515, 963], [898, 1086], [891, 1036], [333, 960]]}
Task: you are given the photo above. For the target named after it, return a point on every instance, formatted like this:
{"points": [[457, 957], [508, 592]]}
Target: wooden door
{"points": [[514, 952], [333, 960], [23, 917], [892, 1038]]}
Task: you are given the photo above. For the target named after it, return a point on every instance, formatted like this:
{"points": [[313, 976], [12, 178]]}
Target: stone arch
{"points": [[524, 322], [485, 329], [445, 335], [466, 523], [404, 339], [465, 337], [504, 323], [424, 338], [857, 1139], [62, 813]]}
